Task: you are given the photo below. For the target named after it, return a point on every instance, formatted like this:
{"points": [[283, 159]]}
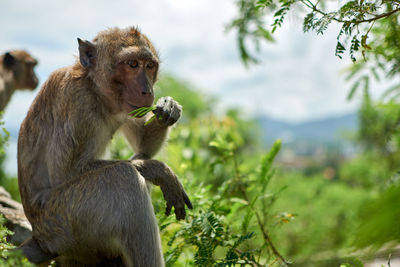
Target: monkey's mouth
{"points": [[133, 106]]}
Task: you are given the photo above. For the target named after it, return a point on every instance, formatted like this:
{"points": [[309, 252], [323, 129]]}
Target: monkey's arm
{"points": [[146, 140], [160, 174]]}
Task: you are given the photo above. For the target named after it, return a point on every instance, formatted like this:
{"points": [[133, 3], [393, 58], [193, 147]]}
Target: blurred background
{"points": [[336, 156]]}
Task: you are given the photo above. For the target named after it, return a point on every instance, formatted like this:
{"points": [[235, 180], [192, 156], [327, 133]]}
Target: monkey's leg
{"points": [[105, 213]]}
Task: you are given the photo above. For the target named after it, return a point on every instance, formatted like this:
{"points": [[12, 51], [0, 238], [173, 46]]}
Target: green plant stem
{"points": [[268, 240], [273, 262], [264, 232], [253, 263]]}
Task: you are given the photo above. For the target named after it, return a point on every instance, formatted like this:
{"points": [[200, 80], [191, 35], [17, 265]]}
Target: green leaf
{"points": [[265, 34], [267, 160], [139, 112], [339, 49], [308, 22], [239, 200], [353, 90], [150, 120], [215, 144]]}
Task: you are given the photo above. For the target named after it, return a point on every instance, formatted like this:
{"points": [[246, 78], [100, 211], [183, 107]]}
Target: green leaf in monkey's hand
{"points": [[140, 112]]}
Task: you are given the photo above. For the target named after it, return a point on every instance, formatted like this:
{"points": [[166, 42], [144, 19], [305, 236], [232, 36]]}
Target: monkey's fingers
{"points": [[168, 209], [180, 213], [187, 200], [162, 114], [175, 114], [168, 111]]}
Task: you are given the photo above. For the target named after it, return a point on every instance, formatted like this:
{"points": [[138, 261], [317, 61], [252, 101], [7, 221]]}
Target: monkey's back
{"points": [[69, 112]]}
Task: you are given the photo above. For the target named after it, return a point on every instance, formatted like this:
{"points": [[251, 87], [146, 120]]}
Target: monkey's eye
{"points": [[132, 63], [150, 65]]}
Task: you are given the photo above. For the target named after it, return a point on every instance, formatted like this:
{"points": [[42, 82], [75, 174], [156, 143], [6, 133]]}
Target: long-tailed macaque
{"points": [[86, 211], [16, 73]]}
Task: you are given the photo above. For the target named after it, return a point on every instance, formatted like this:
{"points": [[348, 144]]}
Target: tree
{"points": [[258, 19]]}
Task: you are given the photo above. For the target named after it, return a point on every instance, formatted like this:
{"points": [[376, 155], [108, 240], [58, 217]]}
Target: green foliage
{"points": [[382, 60], [380, 219], [213, 231], [353, 262], [379, 137], [246, 211], [250, 25], [379, 140], [379, 127], [8, 257], [366, 170], [218, 160], [325, 216], [377, 168], [4, 135], [356, 18], [9, 183], [204, 234], [249, 213]]}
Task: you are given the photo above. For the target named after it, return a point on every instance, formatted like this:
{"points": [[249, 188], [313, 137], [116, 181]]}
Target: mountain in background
{"points": [[322, 130], [316, 144]]}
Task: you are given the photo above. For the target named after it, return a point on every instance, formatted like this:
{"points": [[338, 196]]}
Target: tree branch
{"points": [[268, 241], [314, 8], [253, 263]]}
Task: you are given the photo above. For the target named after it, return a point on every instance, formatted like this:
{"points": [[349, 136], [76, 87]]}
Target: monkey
{"points": [[16, 73], [86, 211]]}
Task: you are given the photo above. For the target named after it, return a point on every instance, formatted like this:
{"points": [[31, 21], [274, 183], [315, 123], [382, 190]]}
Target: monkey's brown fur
{"points": [[16, 73], [81, 208]]}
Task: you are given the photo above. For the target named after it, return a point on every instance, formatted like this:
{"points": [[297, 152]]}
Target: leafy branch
{"points": [[267, 165], [264, 177], [356, 17], [353, 5]]}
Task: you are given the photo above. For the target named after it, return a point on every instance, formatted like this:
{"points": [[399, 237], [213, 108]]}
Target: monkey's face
{"points": [[22, 64], [28, 79], [134, 76], [124, 65]]}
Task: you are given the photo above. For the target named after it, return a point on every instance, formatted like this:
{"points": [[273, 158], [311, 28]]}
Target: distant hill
{"points": [[322, 130]]}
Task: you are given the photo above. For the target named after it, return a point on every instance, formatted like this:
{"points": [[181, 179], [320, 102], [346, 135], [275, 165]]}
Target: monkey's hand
{"points": [[158, 173], [176, 197], [167, 111]]}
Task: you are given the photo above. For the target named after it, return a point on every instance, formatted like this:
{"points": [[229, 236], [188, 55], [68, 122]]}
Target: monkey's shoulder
{"points": [[62, 78]]}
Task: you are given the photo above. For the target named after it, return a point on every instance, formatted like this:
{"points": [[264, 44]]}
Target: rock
{"points": [[15, 218]]}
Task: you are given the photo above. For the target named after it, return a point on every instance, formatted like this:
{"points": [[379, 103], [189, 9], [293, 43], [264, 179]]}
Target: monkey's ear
{"points": [[8, 60], [87, 53]]}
